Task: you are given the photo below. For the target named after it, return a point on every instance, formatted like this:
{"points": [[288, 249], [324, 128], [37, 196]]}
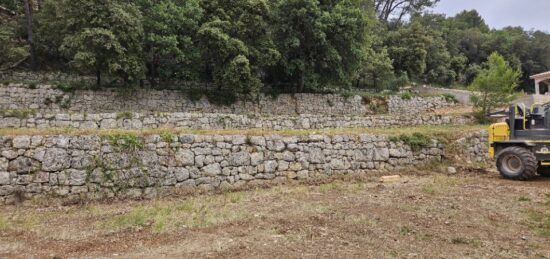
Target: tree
{"points": [[235, 41], [495, 84], [321, 43], [408, 48], [29, 26], [12, 50], [469, 20], [377, 70], [101, 36], [170, 29], [386, 9]]}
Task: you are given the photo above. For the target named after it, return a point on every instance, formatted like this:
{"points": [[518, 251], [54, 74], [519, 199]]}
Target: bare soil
{"points": [[423, 215]]}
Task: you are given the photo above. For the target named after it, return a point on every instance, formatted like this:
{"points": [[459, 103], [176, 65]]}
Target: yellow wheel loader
{"points": [[521, 144]]}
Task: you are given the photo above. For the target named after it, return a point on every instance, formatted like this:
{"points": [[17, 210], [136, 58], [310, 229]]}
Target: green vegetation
{"points": [[540, 221], [167, 137], [475, 243], [440, 132], [496, 85], [124, 115], [193, 213], [416, 141], [232, 50], [450, 98], [125, 142], [17, 113]]}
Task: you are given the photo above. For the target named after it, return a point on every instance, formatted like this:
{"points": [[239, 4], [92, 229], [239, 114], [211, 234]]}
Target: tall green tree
{"points": [[321, 42], [12, 49], [408, 48], [235, 40], [495, 85], [103, 36], [170, 47]]}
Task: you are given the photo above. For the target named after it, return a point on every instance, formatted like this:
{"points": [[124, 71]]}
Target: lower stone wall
{"points": [[221, 121], [474, 147], [125, 166]]}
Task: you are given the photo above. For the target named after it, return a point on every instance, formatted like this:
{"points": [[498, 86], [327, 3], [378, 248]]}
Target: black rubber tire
{"points": [[526, 164], [544, 171]]}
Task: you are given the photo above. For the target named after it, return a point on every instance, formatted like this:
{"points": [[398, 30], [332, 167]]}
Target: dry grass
{"points": [[430, 216], [447, 131], [198, 212]]}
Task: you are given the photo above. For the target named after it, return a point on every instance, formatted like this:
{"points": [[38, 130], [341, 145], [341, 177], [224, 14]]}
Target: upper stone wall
{"points": [[50, 100]]}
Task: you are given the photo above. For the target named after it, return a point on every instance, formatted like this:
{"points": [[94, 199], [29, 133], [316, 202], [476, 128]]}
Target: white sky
{"points": [[530, 14]]}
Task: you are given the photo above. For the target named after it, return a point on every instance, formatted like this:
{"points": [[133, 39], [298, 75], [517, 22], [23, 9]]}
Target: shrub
{"points": [[17, 113], [406, 96], [416, 141], [450, 98], [125, 142], [124, 115]]}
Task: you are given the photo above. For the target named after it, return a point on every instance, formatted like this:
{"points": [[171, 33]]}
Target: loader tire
{"points": [[517, 163], [544, 171]]}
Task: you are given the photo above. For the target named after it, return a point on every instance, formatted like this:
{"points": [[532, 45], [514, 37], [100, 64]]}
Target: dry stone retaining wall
{"points": [[474, 147], [221, 121], [129, 167], [46, 99]]}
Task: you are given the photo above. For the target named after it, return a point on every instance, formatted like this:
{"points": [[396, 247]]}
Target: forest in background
{"points": [[249, 46]]}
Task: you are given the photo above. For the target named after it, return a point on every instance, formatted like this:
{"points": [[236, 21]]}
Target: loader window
{"points": [[544, 89]]}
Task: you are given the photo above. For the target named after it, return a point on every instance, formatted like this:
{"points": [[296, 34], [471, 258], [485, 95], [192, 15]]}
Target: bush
{"points": [[416, 141], [450, 98], [406, 96]]}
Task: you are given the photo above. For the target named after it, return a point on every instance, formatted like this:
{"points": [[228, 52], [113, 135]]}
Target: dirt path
{"points": [[419, 216]]}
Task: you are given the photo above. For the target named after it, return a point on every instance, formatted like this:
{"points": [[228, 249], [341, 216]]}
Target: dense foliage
{"points": [[495, 85], [249, 46]]}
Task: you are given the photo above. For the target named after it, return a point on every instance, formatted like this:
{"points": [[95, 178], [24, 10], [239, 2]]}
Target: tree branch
{"points": [[7, 11]]}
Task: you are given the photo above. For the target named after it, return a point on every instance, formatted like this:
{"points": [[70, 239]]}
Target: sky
{"points": [[530, 14]]}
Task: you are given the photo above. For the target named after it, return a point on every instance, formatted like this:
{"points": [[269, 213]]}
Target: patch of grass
{"points": [[416, 141], [125, 142], [32, 85], [405, 231], [65, 103], [124, 115], [4, 224], [539, 221], [446, 131], [194, 213], [167, 137], [407, 96], [441, 184], [329, 187], [17, 113], [524, 199], [475, 243]]}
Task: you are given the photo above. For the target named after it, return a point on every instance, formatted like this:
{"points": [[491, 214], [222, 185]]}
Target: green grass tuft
{"points": [[17, 113], [416, 141]]}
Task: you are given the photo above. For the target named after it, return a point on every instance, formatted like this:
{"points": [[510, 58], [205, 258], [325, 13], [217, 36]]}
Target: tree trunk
{"points": [[302, 82], [28, 16], [98, 77]]}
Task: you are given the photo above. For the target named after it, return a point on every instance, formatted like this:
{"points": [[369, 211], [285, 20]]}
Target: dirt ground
{"points": [[422, 215]]}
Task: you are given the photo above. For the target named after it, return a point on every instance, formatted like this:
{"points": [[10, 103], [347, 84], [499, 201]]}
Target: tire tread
{"points": [[531, 163]]}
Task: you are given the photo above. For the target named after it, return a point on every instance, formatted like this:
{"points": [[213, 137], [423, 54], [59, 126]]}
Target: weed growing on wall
{"points": [[125, 142], [17, 113], [167, 137], [450, 98], [124, 115], [416, 141]]}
